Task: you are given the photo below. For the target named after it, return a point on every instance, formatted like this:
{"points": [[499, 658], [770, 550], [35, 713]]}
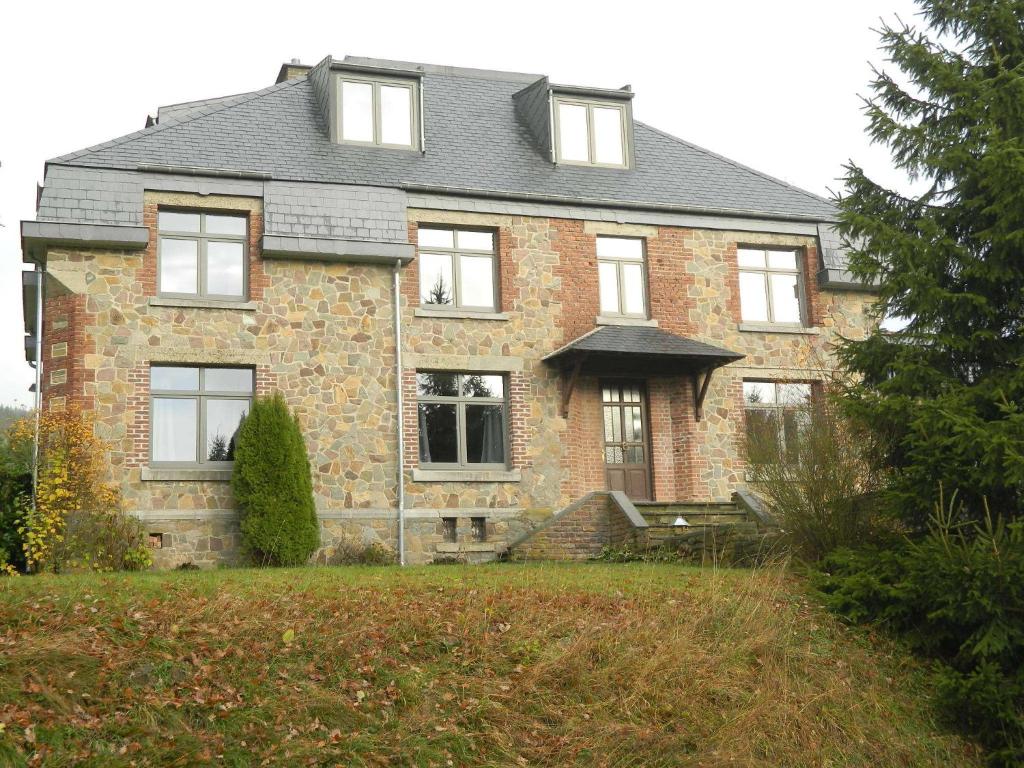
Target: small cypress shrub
{"points": [[272, 486]]}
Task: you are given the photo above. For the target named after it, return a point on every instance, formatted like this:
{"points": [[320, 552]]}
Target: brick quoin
{"points": [[64, 321]]}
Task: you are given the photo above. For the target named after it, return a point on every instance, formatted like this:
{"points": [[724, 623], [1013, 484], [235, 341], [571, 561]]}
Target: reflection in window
{"points": [[378, 112], [197, 412], [777, 413], [589, 132], [462, 419], [769, 286], [201, 254], [620, 273], [457, 268]]}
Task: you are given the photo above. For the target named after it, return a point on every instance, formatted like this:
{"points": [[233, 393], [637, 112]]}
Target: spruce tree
{"points": [[272, 486], [945, 393]]}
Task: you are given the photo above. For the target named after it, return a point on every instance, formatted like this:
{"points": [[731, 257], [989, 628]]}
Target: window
{"points": [[776, 414], [457, 268], [620, 272], [195, 413], [462, 420], [449, 529], [202, 254], [769, 286], [590, 132], [479, 528], [379, 112]]}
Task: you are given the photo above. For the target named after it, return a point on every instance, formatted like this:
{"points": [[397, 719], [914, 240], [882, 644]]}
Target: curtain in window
{"points": [[424, 439], [493, 449]]}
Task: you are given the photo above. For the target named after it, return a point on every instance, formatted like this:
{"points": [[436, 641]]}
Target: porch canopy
{"points": [[641, 351]]}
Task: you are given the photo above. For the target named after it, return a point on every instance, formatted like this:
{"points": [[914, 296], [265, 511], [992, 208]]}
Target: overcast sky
{"points": [[773, 85]]}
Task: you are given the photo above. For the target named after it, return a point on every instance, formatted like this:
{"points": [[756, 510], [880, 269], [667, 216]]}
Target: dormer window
{"points": [[590, 132], [379, 112]]}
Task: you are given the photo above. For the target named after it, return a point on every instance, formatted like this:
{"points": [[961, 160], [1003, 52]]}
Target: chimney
{"points": [[292, 70]]}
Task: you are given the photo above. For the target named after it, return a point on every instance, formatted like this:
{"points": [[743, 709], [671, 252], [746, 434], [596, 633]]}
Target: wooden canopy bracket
{"points": [[570, 385], [700, 391]]}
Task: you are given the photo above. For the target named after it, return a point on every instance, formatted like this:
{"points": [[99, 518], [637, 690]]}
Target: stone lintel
{"points": [[475, 363]]}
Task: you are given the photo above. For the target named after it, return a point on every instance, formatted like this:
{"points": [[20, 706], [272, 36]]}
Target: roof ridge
{"points": [[739, 165], [196, 114]]}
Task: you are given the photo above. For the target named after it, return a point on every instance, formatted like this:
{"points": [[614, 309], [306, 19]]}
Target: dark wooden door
{"points": [[627, 464]]}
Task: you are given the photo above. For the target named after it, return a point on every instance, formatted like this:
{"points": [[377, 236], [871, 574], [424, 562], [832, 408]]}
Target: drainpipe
{"points": [[40, 276], [401, 436]]}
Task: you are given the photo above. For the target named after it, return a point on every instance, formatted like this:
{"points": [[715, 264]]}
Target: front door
{"points": [[627, 464]]}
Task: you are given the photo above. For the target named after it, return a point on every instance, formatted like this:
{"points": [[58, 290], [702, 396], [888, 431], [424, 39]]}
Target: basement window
{"points": [[378, 112], [479, 528], [449, 529], [590, 132]]}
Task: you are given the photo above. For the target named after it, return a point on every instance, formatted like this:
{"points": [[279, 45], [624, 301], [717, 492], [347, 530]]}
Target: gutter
{"points": [[401, 421], [40, 276]]}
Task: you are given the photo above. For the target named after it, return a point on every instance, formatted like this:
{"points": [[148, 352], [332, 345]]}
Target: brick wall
{"points": [[580, 532], [65, 378]]}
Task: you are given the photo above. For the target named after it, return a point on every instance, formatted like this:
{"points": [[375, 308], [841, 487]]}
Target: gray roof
{"points": [[643, 341], [474, 143]]}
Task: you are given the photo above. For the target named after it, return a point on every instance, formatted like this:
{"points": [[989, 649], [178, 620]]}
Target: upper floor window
{"points": [[462, 419], [201, 255], [196, 412], [379, 112], [620, 273], [770, 286], [590, 132], [457, 268]]}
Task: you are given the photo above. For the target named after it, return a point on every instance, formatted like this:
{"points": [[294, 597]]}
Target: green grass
{"points": [[593, 665]]}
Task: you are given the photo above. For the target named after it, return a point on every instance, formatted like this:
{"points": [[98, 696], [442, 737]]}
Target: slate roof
{"points": [[646, 342], [474, 144]]}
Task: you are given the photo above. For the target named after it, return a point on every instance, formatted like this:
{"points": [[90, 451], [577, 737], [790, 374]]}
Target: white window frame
{"points": [[411, 85], [590, 104], [618, 261], [765, 273]]}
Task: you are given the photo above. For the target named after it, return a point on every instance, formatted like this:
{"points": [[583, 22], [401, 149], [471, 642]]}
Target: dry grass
{"points": [[601, 665]]}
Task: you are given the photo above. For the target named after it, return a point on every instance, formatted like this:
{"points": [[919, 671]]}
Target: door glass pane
{"points": [[613, 454], [176, 221], [608, 135], [620, 248], [572, 132], [357, 111], [477, 281], [174, 429], [174, 378], [753, 299], [633, 454], [225, 225], [396, 115], [223, 419], [782, 259], [608, 283], [436, 286], [633, 289], [437, 384], [634, 424], [476, 241], [479, 385], [228, 380], [485, 434], [748, 257], [435, 238], [785, 300], [612, 424], [438, 433], [179, 266], [225, 269]]}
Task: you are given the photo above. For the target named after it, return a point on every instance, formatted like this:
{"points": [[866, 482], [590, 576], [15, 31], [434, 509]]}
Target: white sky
{"points": [[773, 85]]}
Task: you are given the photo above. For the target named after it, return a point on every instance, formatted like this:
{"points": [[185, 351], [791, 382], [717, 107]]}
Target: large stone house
{"points": [[488, 297]]}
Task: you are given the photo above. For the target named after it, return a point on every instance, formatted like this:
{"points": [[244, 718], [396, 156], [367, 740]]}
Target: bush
{"points": [[819, 482], [76, 521], [956, 596], [272, 486]]}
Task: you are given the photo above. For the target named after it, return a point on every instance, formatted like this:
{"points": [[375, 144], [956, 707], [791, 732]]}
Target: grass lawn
{"points": [[600, 665]]}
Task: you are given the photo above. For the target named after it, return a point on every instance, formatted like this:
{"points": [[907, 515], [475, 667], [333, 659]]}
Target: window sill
{"points": [[452, 547], [160, 301], [771, 328], [194, 475], [466, 475], [612, 320], [459, 314]]}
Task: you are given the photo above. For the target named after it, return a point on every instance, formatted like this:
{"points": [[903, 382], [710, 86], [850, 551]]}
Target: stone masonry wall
{"points": [[322, 333]]}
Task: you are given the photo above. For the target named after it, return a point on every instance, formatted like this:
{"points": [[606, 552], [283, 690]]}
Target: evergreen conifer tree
{"points": [[272, 486], [945, 393]]}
